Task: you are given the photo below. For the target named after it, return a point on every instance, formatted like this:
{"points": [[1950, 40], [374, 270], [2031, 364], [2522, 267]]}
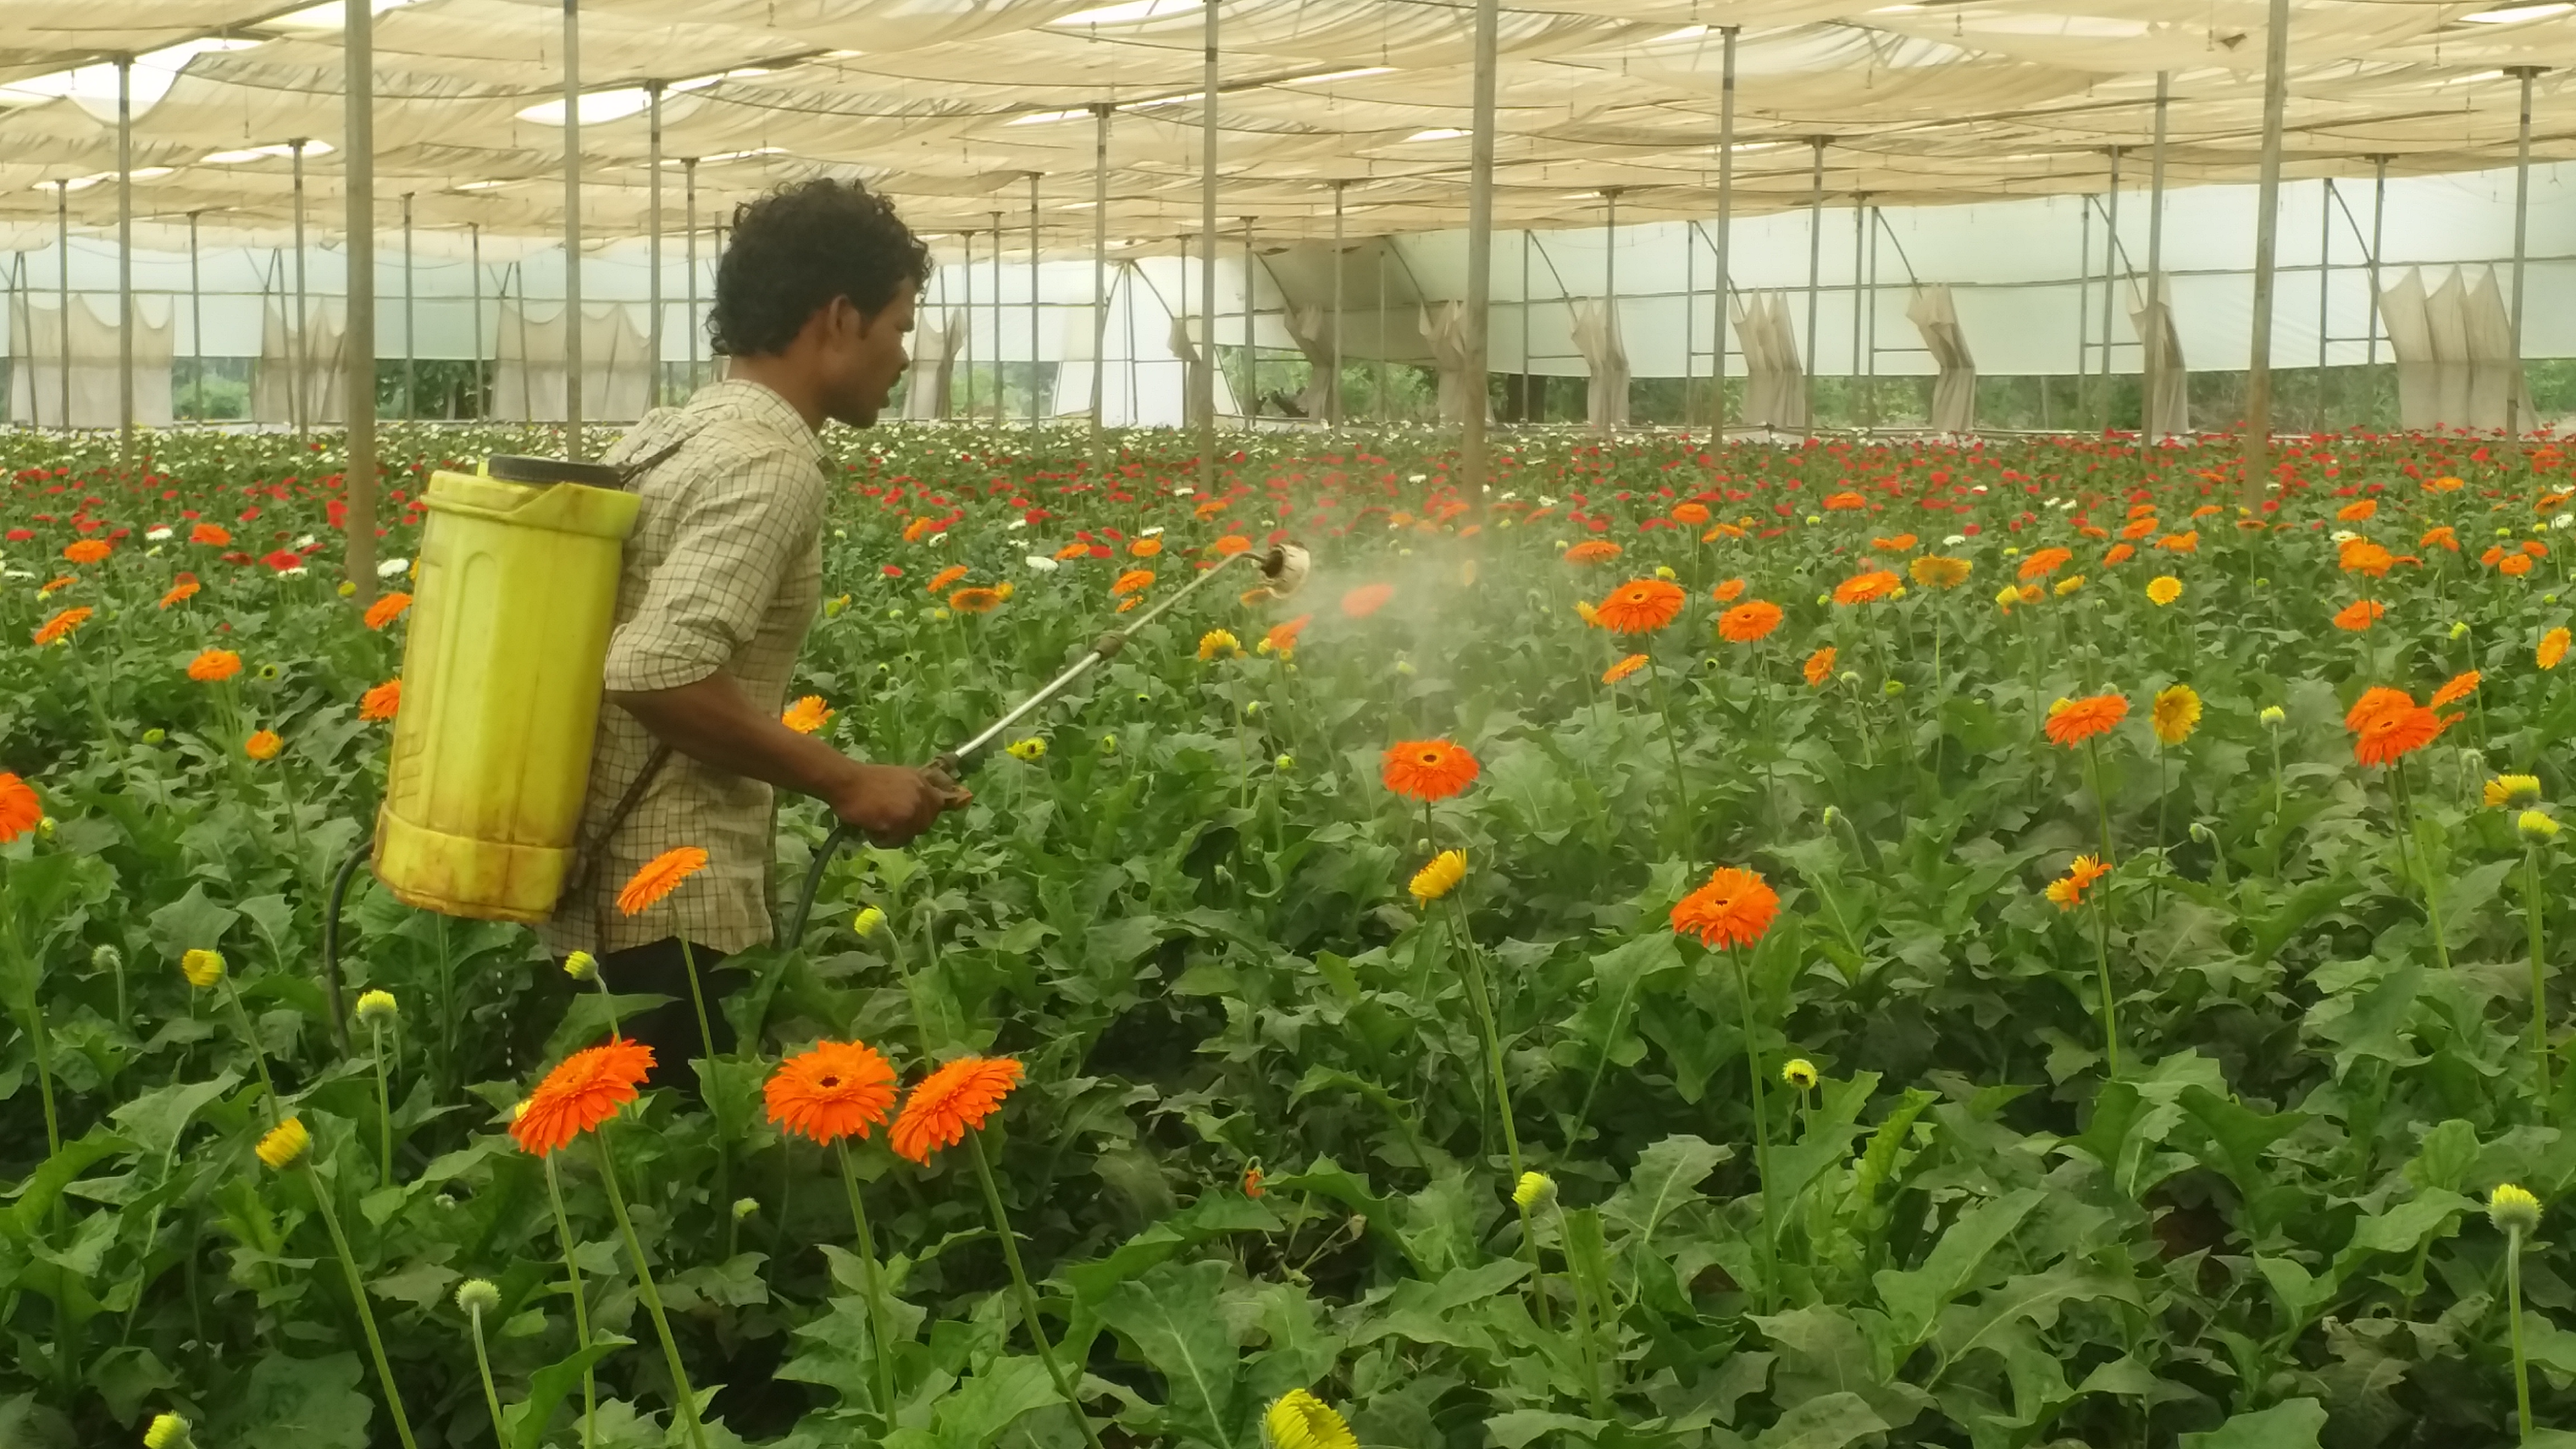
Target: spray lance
{"points": [[1283, 569]]}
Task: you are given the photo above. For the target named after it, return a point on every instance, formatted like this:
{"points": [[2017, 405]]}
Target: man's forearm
{"points": [[712, 723]]}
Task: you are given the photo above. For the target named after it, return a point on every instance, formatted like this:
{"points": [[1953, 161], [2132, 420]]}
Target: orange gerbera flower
{"points": [[944, 578], [2395, 732], [2358, 511], [660, 876], [387, 609], [1902, 543], [2073, 721], [182, 590], [2186, 542], [20, 810], [264, 745], [952, 1102], [2553, 647], [1073, 550], [1428, 770], [2120, 553], [1844, 501], [1592, 551], [1819, 666], [1623, 669], [2441, 537], [1130, 581], [1145, 547], [2361, 556], [60, 626], [1282, 638], [1748, 621], [2045, 562], [382, 702], [919, 529], [1640, 606], [1693, 514], [976, 600], [2377, 700], [1231, 544], [212, 535], [1733, 909], [839, 1089], [1728, 592], [2514, 565], [88, 551], [214, 666], [2458, 687], [807, 715], [1866, 588], [1365, 600], [584, 1091], [2360, 614], [1940, 571], [2068, 890], [2139, 527]]}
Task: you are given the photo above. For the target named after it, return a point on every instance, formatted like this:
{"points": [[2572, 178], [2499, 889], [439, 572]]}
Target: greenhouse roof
{"points": [[953, 105]]}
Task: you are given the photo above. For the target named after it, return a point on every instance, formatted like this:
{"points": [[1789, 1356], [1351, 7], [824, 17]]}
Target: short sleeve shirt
{"points": [[723, 575]]}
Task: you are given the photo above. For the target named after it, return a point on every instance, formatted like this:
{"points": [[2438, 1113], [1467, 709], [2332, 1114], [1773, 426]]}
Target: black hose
{"points": [[331, 904], [832, 844]]}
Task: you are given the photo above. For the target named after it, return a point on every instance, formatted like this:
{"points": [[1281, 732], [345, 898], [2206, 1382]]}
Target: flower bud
{"points": [[348, 590], [2460, 629], [1535, 1190], [744, 1207], [867, 922], [1284, 762], [106, 958], [1799, 1073], [285, 1144], [154, 737], [581, 966], [2513, 1210], [2535, 827], [2272, 716], [168, 1431], [477, 1296], [203, 968], [377, 1008], [1892, 687]]}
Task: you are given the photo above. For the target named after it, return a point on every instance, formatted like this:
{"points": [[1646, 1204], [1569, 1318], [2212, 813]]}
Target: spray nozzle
{"points": [[1284, 569]]}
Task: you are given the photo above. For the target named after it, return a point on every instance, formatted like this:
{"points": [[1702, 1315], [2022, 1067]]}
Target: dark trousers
{"points": [[671, 1029]]}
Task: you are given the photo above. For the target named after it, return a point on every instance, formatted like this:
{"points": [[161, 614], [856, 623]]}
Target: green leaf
{"points": [[190, 923], [1173, 1318], [1828, 1422], [153, 1121], [2291, 1425], [525, 1422], [1915, 1297], [1827, 1141], [2239, 1138], [978, 1411], [311, 1403], [1520, 1426], [1667, 1175]]}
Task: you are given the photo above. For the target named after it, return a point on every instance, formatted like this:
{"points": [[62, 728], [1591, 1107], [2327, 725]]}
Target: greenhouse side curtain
{"points": [[1312, 330], [278, 384], [1193, 368], [1954, 391], [934, 367], [2169, 411], [1144, 384], [1446, 330], [528, 381], [1596, 336], [1775, 386], [2454, 347], [36, 382]]}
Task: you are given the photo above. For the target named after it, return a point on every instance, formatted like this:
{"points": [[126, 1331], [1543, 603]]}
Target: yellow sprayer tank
{"points": [[509, 630]]}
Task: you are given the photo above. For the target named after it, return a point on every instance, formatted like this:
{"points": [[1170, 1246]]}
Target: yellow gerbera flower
{"points": [[1299, 1420], [1440, 877], [285, 1144]]}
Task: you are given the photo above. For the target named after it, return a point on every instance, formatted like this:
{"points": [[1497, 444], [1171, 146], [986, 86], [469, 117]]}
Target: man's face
{"points": [[867, 355]]}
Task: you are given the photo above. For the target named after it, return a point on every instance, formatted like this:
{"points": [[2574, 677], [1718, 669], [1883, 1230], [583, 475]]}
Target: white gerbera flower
{"points": [[1042, 563], [393, 568]]}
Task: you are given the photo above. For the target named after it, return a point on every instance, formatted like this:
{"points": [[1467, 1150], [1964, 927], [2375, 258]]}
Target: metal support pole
{"points": [[1815, 265], [968, 265], [474, 242], [2152, 363], [297, 402], [1385, 245], [1480, 252], [1526, 406], [689, 257], [1207, 271], [2521, 251], [2083, 304], [2110, 278], [1001, 381], [1100, 115], [2378, 212], [1251, 399], [1869, 305], [1725, 229], [2325, 278], [653, 245], [358, 481], [196, 329], [125, 258], [411, 350], [2267, 228], [1690, 322], [1036, 406], [1610, 276], [63, 293], [1333, 392], [1860, 402], [572, 227]]}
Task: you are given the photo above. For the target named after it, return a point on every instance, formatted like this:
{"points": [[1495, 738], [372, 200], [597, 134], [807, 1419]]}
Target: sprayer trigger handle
{"points": [[1108, 645]]}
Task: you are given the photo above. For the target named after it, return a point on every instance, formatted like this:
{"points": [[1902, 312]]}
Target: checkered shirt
{"points": [[724, 573]]}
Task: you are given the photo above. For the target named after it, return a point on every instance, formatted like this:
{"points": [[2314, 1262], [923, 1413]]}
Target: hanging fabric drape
{"points": [[1596, 336], [2168, 411], [2454, 347], [36, 382], [1954, 390], [1775, 385], [528, 385], [1312, 329], [934, 365], [292, 381], [1446, 330], [1139, 386], [1194, 368]]}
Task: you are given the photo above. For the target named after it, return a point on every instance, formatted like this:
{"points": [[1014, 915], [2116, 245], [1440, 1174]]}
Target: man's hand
{"points": [[891, 804]]}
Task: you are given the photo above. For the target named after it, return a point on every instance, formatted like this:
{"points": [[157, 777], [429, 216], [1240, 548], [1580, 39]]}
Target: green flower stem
{"points": [[1683, 818], [2513, 1306], [1473, 968], [358, 1296], [2432, 894], [483, 1368], [384, 1108], [580, 1312], [875, 1285], [714, 1097], [2102, 965], [1028, 1295], [608, 999], [1587, 1346], [2539, 983], [688, 1399], [250, 1038], [1761, 1123], [2101, 805]]}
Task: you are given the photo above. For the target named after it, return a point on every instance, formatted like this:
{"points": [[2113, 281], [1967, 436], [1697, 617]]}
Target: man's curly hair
{"points": [[795, 249]]}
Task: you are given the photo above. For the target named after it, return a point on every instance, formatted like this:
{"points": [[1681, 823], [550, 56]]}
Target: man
{"points": [[722, 580]]}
